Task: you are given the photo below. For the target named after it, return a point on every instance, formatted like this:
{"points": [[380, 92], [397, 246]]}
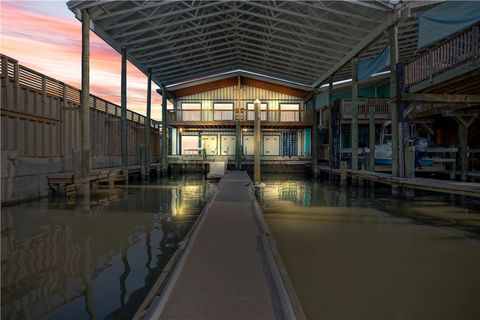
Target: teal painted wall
{"points": [[307, 141]]}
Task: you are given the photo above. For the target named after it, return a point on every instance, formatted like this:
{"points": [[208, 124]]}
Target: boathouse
{"points": [[367, 103]]}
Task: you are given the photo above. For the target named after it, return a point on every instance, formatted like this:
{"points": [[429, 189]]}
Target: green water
{"points": [[360, 254], [62, 262]]}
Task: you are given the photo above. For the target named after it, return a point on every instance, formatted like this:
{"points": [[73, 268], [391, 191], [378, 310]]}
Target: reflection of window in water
{"points": [[287, 193], [298, 194]]}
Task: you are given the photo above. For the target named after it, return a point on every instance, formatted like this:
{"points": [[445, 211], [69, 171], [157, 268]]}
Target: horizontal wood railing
{"points": [[382, 110], [461, 48], [230, 115], [364, 104]]}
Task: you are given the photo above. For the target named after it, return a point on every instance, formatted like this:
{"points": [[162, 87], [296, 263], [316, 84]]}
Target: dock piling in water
{"points": [[257, 139], [85, 111]]}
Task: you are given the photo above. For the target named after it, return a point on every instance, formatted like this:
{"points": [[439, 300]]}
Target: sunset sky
{"points": [[45, 36]]}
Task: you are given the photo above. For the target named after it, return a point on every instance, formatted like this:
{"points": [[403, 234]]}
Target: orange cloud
{"points": [[51, 44]]}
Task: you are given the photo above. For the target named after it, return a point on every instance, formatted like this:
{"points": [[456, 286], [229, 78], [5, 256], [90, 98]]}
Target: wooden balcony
{"points": [[455, 51], [380, 105], [215, 118]]}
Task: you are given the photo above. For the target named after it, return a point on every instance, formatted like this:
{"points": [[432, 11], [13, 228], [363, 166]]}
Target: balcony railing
{"points": [[202, 115], [457, 50], [380, 106]]}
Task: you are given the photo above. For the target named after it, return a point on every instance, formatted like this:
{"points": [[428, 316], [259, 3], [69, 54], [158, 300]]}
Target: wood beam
{"points": [[441, 98]]}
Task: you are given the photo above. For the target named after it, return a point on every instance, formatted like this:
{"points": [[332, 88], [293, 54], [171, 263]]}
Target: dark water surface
{"points": [[359, 254], [60, 262]]}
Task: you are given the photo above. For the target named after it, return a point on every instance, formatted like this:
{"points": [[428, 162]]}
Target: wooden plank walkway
{"points": [[228, 270], [471, 189], [96, 174]]}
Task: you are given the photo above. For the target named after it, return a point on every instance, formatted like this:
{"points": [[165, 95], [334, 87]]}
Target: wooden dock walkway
{"points": [[229, 269], [470, 189], [97, 175]]}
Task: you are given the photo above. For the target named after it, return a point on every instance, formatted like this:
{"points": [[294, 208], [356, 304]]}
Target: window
{"points": [[222, 111], [191, 111], [190, 145], [289, 112], [251, 111]]}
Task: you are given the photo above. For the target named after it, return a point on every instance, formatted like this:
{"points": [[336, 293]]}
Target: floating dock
{"points": [[229, 268]]}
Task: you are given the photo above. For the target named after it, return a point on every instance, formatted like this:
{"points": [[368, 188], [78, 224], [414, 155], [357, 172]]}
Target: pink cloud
{"points": [[51, 44]]}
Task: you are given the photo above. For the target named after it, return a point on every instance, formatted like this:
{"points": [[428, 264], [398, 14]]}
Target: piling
{"points": [[257, 145], [123, 120], [315, 140], [463, 144], [410, 162], [238, 130], [453, 166], [343, 174], [142, 162], [85, 101], [371, 137], [164, 132], [354, 130], [147, 157], [393, 37]]}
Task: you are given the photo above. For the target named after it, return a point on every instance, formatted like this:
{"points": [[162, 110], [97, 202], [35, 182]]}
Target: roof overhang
{"points": [[300, 42], [222, 81]]}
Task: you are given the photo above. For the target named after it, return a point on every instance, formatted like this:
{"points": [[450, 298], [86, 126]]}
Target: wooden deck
{"points": [[470, 189], [246, 160], [229, 268], [99, 175]]}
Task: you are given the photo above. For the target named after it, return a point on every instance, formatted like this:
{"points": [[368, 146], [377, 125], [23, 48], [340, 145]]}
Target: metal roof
{"points": [[298, 41]]}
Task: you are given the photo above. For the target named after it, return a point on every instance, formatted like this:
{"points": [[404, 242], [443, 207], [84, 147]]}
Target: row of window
{"points": [[191, 111]]}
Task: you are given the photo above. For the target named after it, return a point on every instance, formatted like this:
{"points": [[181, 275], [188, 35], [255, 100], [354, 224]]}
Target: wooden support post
{"points": [[147, 131], [164, 132], [409, 170], [335, 135], [393, 35], [463, 144], [453, 166], [343, 174], [123, 120], [354, 128], [371, 137], [330, 121], [142, 162], [257, 145], [315, 140], [410, 162], [238, 129], [111, 183], [403, 132], [85, 116]]}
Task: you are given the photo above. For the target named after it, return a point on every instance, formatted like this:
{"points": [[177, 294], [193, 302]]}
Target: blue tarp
{"points": [[367, 67], [446, 19]]}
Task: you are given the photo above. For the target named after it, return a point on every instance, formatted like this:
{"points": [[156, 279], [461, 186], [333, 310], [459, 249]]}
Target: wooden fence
{"points": [[41, 118], [459, 49]]}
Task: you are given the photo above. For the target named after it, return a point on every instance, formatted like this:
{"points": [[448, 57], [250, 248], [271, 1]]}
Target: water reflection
{"points": [[62, 263], [359, 254]]}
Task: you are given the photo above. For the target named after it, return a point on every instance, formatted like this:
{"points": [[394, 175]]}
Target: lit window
{"points": [[191, 111], [222, 111]]}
